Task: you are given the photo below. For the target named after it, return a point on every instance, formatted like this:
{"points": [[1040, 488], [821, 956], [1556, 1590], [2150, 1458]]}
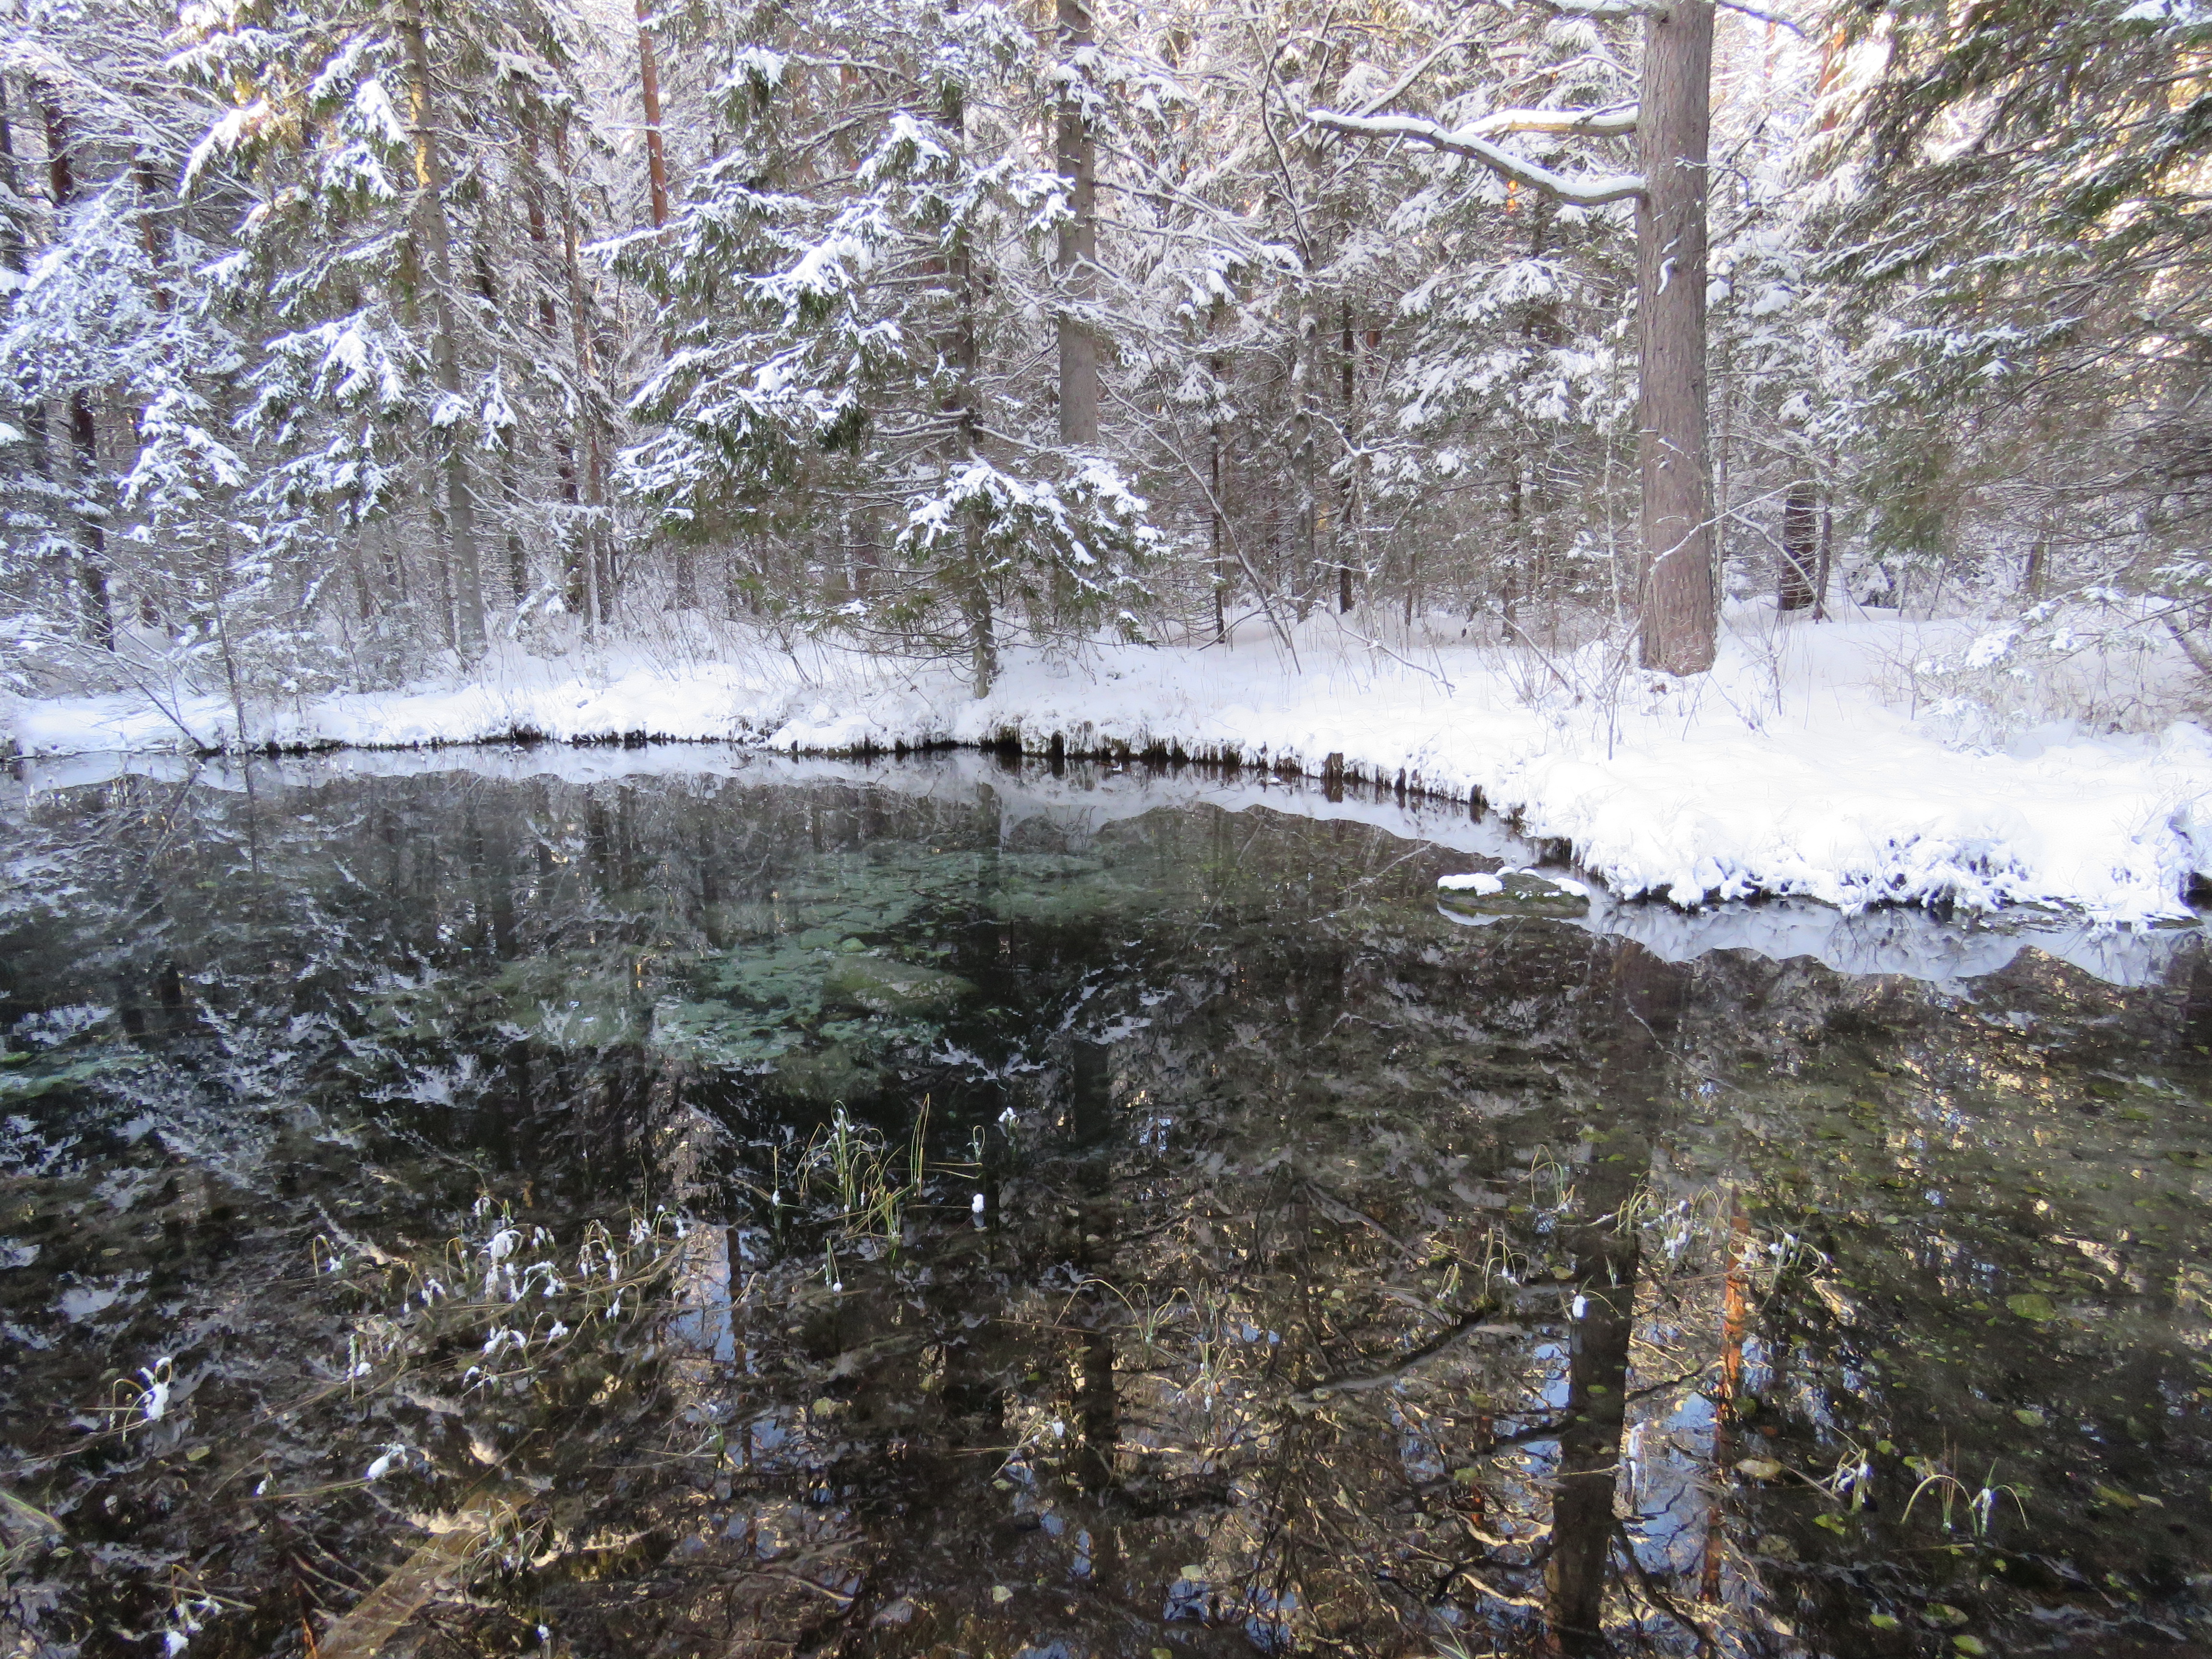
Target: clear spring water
{"points": [[676, 1202]]}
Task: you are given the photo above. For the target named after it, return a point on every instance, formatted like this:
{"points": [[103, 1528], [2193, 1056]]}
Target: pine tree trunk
{"points": [[436, 237], [1077, 239], [1679, 616], [656, 154]]}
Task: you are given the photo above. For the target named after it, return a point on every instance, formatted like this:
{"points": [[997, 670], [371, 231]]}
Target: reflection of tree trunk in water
{"points": [[1090, 1120], [1647, 998], [2194, 1027], [1736, 1309]]}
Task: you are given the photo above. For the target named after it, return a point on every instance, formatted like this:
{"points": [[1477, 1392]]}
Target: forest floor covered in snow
{"points": [[1861, 761]]}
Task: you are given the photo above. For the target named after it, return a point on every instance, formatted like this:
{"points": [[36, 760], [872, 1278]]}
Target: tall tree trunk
{"points": [[1822, 564], [656, 154], [1348, 347], [91, 537], [13, 254], [971, 589], [575, 547], [1800, 548], [61, 174], [1678, 616], [1078, 238], [11, 232], [599, 596], [1509, 599], [574, 588], [1214, 529], [1305, 451], [84, 433], [154, 190], [436, 237], [518, 551]]}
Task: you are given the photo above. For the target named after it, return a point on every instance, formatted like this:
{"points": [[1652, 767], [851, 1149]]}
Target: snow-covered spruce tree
{"points": [[1513, 399], [1675, 599], [425, 372], [854, 417], [1305, 310], [1361, 399], [120, 462], [1788, 398], [2023, 255]]}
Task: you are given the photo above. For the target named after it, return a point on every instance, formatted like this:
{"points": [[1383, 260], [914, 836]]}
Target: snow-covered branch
{"points": [[1603, 7], [1611, 122], [1588, 190]]}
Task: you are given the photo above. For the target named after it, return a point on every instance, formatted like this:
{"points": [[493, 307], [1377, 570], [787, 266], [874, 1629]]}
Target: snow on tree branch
{"points": [[1592, 189], [1609, 123], [1603, 7]]}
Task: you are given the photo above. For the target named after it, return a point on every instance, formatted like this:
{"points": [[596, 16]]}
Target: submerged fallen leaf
{"points": [[1759, 1468]]}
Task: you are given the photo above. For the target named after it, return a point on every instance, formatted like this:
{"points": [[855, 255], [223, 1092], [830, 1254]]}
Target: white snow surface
{"points": [[1796, 767], [1474, 881]]}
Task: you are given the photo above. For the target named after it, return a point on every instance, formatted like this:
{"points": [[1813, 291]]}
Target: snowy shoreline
{"points": [[1788, 772]]}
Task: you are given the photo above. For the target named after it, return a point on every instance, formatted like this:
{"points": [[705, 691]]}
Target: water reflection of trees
{"points": [[1346, 1280]]}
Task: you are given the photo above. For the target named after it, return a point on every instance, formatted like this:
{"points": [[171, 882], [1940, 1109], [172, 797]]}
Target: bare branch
{"points": [[1587, 191], [1397, 89], [1763, 16]]}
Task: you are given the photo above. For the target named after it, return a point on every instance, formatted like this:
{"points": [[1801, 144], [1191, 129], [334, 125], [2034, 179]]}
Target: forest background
{"points": [[347, 345]]}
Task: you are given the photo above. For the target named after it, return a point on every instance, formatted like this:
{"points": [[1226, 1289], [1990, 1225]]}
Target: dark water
{"points": [[722, 1208]]}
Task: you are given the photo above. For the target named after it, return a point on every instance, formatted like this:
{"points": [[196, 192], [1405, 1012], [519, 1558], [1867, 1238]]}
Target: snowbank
{"points": [[1790, 770]]}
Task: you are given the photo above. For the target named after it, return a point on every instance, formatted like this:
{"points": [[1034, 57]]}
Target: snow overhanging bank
{"points": [[1779, 774]]}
